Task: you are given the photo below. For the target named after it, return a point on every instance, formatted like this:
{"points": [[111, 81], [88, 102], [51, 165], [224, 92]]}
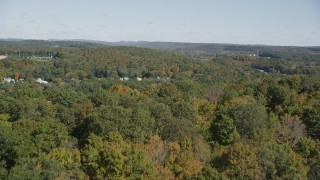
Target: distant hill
{"points": [[202, 50], [209, 50], [20, 43]]}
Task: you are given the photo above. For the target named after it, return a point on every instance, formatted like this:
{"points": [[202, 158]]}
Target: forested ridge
{"points": [[115, 112]]}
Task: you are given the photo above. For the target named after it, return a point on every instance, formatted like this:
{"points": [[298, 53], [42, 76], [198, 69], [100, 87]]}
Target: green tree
{"points": [[64, 97], [69, 159], [104, 97], [26, 170], [250, 119], [209, 172], [114, 159], [184, 110], [309, 149], [162, 115], [169, 93], [311, 118], [178, 129], [223, 128], [49, 134], [106, 119], [277, 96], [241, 162], [11, 106], [141, 124], [279, 161]]}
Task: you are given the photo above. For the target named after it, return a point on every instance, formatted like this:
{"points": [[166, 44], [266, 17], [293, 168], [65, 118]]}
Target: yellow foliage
{"points": [[201, 149], [186, 144], [4, 120], [67, 157], [121, 89], [4, 117], [170, 159], [243, 162], [206, 112], [187, 74], [187, 165], [154, 147], [240, 100], [174, 147]]}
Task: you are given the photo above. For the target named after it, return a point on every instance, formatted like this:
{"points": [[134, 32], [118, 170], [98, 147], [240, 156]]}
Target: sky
{"points": [[270, 22]]}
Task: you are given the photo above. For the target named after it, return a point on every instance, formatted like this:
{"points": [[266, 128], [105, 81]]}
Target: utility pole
{"points": [[19, 53]]}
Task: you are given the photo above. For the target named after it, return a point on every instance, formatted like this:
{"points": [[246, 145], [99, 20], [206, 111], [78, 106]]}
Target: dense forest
{"points": [[117, 112]]}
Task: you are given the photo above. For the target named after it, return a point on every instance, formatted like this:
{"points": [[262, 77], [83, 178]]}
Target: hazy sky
{"points": [[273, 22]]}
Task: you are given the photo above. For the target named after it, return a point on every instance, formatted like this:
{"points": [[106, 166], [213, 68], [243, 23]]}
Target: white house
{"points": [[3, 56], [8, 80], [124, 79], [39, 80], [139, 79]]}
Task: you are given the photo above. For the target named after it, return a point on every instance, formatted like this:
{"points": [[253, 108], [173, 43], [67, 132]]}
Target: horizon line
{"points": [[136, 41]]}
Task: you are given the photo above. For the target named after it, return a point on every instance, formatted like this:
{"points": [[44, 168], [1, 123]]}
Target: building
{"points": [[8, 80], [39, 80], [3, 56]]}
